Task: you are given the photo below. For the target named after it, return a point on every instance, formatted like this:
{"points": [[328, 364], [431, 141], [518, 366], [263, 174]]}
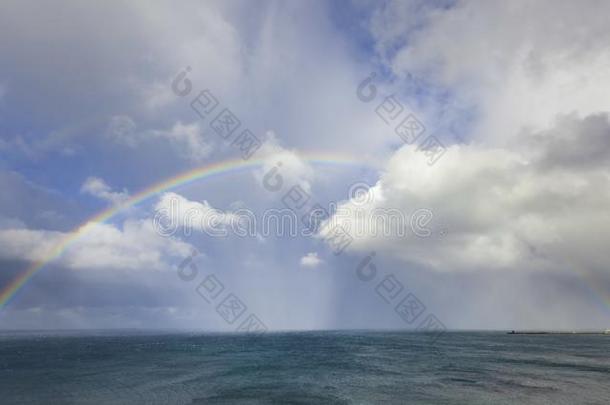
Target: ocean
{"points": [[336, 367]]}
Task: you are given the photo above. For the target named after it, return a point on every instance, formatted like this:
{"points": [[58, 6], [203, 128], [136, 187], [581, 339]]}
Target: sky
{"points": [[459, 150]]}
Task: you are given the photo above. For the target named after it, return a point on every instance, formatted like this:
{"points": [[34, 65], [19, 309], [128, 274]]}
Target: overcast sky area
{"points": [[504, 186]]}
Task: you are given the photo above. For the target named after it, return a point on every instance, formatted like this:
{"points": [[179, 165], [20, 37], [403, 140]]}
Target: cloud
{"points": [[147, 51], [187, 140], [520, 77], [293, 169], [26, 244], [248, 56], [311, 260], [174, 212], [541, 207], [135, 246], [98, 188], [525, 188]]}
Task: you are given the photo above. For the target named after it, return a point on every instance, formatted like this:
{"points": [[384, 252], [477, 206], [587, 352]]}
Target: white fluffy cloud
{"points": [[311, 260], [97, 187], [174, 212], [293, 169], [135, 246], [543, 206]]}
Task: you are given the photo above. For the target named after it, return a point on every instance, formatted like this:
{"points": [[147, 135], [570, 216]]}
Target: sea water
{"points": [[355, 367]]}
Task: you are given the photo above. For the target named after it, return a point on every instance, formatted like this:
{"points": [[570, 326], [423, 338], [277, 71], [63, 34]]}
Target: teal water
{"points": [[308, 367]]}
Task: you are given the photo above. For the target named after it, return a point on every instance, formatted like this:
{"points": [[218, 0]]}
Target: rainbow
{"points": [[204, 172]]}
